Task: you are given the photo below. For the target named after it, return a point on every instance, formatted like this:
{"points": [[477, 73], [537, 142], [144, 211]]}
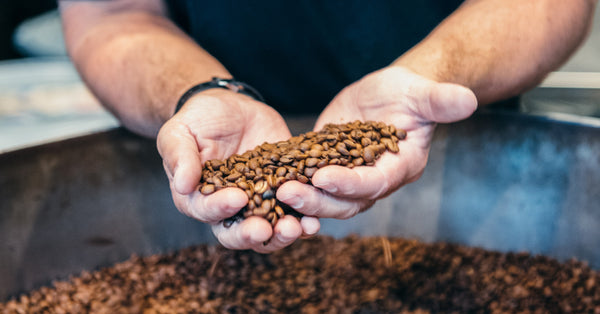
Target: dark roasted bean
{"points": [[269, 194]]}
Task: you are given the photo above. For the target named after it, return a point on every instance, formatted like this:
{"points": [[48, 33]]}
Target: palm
{"points": [[233, 130], [372, 100], [395, 96], [216, 125]]}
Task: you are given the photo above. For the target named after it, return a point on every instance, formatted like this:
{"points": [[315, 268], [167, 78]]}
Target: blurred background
{"points": [[42, 99]]}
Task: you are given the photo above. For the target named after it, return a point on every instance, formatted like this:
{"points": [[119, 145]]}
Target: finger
{"points": [[310, 226], [358, 182], [181, 157], [287, 230], [250, 233], [312, 201], [446, 102], [220, 205]]}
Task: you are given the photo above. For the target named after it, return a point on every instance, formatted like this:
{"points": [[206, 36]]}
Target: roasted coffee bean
{"points": [[335, 161], [315, 153], [261, 186], [233, 176], [311, 162], [358, 161], [243, 184], [341, 148], [254, 163], [400, 134], [322, 163], [310, 171], [271, 180], [302, 178], [280, 172], [349, 275], [301, 165], [257, 198], [268, 194], [251, 204], [261, 171], [369, 153], [207, 189], [333, 154], [349, 144], [365, 141], [304, 146], [279, 211], [355, 153]]}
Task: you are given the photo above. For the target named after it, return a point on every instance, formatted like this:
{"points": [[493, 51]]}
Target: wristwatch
{"points": [[230, 84]]}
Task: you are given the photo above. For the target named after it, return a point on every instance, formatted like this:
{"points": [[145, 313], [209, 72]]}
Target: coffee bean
{"points": [[358, 161], [268, 194], [311, 162], [260, 187], [302, 179], [233, 176], [251, 204], [280, 172], [279, 211], [257, 198], [369, 153], [355, 153], [310, 171], [261, 171], [315, 153], [207, 189], [341, 148]]}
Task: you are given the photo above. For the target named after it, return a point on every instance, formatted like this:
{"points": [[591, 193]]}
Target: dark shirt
{"points": [[300, 54]]}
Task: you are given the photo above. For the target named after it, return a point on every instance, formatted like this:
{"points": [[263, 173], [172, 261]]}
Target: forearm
{"points": [[499, 48], [136, 62]]}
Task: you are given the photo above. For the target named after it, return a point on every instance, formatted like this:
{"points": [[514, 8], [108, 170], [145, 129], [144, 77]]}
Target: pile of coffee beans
{"points": [[325, 275], [261, 171]]}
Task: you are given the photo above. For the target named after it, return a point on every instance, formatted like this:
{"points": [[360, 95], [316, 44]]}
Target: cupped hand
{"points": [[215, 124], [393, 95]]}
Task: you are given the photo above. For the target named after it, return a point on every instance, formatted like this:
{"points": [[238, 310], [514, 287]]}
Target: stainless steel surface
{"points": [[502, 181]]}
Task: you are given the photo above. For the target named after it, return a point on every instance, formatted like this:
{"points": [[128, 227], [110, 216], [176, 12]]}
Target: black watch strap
{"points": [[230, 84]]}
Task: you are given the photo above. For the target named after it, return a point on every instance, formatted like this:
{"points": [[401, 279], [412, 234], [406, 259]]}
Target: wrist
{"points": [[217, 83], [429, 64]]}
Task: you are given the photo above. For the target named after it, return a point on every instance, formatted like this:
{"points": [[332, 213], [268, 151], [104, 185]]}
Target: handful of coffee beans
{"points": [[261, 171]]}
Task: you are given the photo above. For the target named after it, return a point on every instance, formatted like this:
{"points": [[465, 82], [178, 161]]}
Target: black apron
{"points": [[300, 54]]}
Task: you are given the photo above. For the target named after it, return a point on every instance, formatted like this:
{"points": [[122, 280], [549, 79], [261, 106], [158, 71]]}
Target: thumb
{"points": [[447, 103]]}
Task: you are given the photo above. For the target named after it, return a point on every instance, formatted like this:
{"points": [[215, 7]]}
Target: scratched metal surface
{"points": [[502, 181]]}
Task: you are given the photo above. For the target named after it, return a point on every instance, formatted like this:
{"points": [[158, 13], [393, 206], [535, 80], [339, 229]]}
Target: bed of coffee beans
{"points": [[326, 275], [261, 171]]}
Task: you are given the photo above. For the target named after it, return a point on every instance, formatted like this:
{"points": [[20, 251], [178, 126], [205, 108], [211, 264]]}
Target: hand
{"points": [[396, 96], [215, 124]]}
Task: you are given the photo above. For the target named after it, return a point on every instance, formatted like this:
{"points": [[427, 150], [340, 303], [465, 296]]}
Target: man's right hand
{"points": [[215, 124]]}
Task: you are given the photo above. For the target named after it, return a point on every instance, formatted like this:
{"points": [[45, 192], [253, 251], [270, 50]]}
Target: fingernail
{"points": [[280, 237], [295, 202], [328, 186], [177, 181]]}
